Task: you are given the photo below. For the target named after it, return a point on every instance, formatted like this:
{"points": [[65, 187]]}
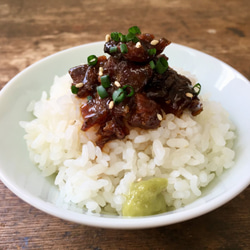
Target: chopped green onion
{"points": [[123, 38], [161, 65], [132, 37], [118, 95], [134, 30], [152, 64], [115, 36], [124, 48], [152, 52], [197, 86], [105, 81], [136, 39], [131, 90], [74, 89], [92, 60], [113, 49], [89, 97], [102, 91]]}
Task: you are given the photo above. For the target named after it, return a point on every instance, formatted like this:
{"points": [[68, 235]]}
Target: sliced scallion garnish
{"points": [[136, 39], [197, 88], [131, 90], [132, 37], [115, 36], [152, 52], [113, 49], [105, 81], [92, 60], [118, 95], [124, 48], [74, 89], [123, 38], [152, 64], [134, 30], [102, 92], [161, 65]]}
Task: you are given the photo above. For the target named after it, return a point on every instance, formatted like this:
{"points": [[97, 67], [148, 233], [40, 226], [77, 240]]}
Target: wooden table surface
{"points": [[31, 30]]}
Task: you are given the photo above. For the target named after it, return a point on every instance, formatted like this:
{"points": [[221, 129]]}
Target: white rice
{"points": [[188, 151]]}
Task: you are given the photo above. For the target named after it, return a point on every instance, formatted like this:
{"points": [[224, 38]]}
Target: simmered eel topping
{"points": [[133, 87]]}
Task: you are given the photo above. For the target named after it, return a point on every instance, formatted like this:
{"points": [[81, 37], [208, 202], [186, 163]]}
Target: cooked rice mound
{"points": [[189, 151]]}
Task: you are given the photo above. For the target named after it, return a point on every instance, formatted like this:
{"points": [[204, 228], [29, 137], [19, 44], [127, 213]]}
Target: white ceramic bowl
{"points": [[25, 180]]}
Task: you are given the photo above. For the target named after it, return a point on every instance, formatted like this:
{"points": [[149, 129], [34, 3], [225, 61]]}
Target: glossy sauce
{"points": [[154, 93]]}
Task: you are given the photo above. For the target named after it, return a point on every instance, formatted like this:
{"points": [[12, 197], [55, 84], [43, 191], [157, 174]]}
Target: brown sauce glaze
{"points": [[148, 92]]}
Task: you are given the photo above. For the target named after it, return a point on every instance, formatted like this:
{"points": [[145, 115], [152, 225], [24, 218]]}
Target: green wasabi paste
{"points": [[145, 198]]}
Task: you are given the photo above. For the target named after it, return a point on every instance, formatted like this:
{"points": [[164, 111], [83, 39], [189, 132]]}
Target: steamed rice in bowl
{"points": [[189, 151]]}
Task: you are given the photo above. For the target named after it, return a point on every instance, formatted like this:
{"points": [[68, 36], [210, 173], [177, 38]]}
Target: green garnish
{"points": [[74, 89], [123, 38], [124, 48], [115, 36], [113, 49], [152, 64], [152, 52], [197, 86], [92, 60], [89, 97], [161, 65], [134, 30], [118, 95], [102, 91], [105, 81], [131, 90], [132, 37]]}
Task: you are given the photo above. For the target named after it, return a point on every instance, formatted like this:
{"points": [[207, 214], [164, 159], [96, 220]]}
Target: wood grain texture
{"points": [[32, 30]]}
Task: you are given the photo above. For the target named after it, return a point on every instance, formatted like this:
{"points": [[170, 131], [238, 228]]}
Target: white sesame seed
{"points": [[79, 85], [139, 179], [189, 95], [154, 42], [117, 84], [159, 116], [138, 45], [111, 104], [107, 38], [100, 73]]}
